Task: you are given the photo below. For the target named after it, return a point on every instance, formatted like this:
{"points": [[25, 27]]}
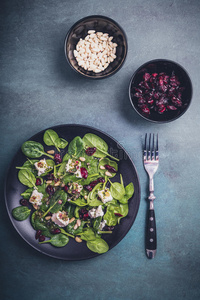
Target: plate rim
{"points": [[93, 254]]}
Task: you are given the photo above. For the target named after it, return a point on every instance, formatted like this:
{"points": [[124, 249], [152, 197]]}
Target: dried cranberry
{"points": [[38, 234], [110, 169], [88, 187], [118, 215], [84, 173], [66, 188], [24, 202], [57, 158], [41, 238], [56, 231], [93, 183], [101, 179], [50, 176], [50, 190], [38, 181], [85, 216], [90, 151]]}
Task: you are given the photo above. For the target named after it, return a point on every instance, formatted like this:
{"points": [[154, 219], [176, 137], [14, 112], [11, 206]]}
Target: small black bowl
{"points": [[158, 66], [102, 24]]}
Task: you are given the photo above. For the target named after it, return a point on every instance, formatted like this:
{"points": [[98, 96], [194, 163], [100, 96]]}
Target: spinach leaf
{"points": [[129, 191], [61, 170], [79, 202], [21, 213], [54, 205], [58, 240], [66, 157], [76, 146], [33, 219], [92, 140], [117, 190], [88, 235], [96, 223], [93, 196], [70, 228], [76, 212], [51, 138], [29, 165], [107, 161], [40, 225], [27, 193], [34, 149], [69, 208], [62, 143], [27, 178], [98, 245], [109, 217]]}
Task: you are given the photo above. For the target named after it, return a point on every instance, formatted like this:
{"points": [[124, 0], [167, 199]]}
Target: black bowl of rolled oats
{"points": [[96, 47]]}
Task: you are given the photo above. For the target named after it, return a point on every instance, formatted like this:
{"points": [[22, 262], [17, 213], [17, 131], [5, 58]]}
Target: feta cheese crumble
{"points": [[36, 198], [105, 195], [74, 166], [60, 218], [41, 166], [96, 212]]}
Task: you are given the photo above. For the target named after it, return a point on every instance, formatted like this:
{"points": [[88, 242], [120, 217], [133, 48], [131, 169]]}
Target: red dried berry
{"points": [[23, 202], [41, 238], [38, 181], [90, 151], [84, 173], [38, 234], [110, 169]]}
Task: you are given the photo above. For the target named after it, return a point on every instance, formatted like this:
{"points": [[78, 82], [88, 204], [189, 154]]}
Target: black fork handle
{"points": [[151, 239]]}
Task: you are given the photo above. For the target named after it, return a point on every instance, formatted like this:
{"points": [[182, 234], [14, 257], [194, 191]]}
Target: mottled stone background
{"points": [[38, 90]]}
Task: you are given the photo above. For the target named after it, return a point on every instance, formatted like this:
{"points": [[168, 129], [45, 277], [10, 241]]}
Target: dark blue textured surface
{"points": [[39, 90]]}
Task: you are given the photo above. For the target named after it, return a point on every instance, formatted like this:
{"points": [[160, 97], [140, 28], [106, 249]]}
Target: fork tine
{"points": [[149, 149], [153, 150], [145, 147], [157, 148]]}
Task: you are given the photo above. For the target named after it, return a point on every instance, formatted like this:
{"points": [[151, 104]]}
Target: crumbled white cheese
{"points": [[71, 165], [96, 212], [105, 195], [60, 218], [102, 224], [36, 198], [41, 166]]}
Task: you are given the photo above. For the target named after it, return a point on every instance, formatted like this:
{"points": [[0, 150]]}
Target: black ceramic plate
{"points": [[73, 250]]}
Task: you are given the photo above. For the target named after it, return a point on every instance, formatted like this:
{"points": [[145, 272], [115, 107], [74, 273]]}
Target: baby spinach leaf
{"points": [[79, 202], [129, 191], [66, 157], [34, 149], [76, 212], [27, 193], [92, 140], [21, 213], [117, 190], [27, 178], [98, 246], [109, 217], [88, 235], [107, 161], [51, 138], [58, 240], [76, 146], [70, 228], [62, 143], [54, 205], [93, 196], [33, 216], [69, 208], [96, 223], [61, 169]]}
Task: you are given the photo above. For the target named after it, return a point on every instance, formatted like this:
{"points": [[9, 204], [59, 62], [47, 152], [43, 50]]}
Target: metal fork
{"points": [[151, 162]]}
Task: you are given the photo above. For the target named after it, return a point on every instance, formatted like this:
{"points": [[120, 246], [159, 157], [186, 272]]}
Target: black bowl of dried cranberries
{"points": [[160, 91]]}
